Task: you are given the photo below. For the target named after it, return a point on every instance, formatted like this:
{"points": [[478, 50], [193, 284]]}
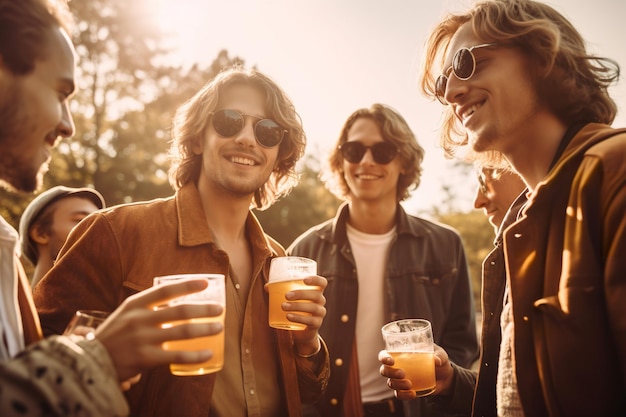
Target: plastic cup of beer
{"points": [[410, 344], [214, 294], [287, 273], [85, 322]]}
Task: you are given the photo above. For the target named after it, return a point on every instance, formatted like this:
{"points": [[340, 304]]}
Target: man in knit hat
{"points": [[49, 219]]}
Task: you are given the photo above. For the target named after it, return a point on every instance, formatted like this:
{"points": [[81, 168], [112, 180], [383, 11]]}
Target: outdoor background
{"points": [[139, 60]]}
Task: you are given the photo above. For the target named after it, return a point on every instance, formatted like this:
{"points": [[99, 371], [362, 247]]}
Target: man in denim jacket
{"points": [[383, 264]]}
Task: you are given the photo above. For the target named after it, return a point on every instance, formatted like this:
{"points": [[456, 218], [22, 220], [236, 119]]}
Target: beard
{"points": [[16, 171]]}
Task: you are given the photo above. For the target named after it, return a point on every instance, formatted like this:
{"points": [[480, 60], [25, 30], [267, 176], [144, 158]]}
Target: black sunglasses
{"points": [[463, 67], [227, 123], [382, 152]]}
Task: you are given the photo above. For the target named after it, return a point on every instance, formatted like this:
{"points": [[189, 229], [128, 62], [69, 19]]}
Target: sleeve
{"points": [[460, 338], [313, 374], [59, 377], [459, 401], [87, 275]]}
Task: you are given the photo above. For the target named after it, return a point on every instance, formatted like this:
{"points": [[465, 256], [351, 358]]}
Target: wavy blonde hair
{"points": [[571, 82], [192, 118]]}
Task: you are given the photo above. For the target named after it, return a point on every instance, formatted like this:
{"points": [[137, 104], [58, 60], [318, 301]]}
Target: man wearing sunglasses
{"points": [[383, 264], [538, 100], [235, 147], [497, 190]]}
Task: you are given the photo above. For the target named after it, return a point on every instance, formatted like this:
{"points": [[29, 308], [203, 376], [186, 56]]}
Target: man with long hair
{"points": [[521, 88], [383, 264], [235, 146], [59, 375]]}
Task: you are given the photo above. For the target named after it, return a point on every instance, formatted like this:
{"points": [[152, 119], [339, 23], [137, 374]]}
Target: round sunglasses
{"points": [[382, 152], [227, 123], [463, 67]]}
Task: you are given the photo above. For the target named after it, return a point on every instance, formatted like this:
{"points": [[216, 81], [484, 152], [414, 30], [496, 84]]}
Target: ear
{"points": [[198, 145], [38, 236]]}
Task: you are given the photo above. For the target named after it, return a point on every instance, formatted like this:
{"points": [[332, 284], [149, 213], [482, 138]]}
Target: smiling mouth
{"points": [[367, 177], [242, 161], [470, 111]]}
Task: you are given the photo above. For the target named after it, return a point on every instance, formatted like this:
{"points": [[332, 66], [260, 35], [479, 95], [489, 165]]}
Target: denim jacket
{"points": [[426, 277]]}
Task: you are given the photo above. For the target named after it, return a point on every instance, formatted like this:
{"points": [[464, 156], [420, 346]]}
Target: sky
{"points": [[334, 56]]}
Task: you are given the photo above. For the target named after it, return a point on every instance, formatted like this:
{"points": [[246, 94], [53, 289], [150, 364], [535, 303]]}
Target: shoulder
{"points": [[312, 236], [432, 228]]}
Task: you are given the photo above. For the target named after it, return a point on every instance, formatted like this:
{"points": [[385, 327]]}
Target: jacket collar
{"points": [[193, 229], [590, 135], [337, 232]]}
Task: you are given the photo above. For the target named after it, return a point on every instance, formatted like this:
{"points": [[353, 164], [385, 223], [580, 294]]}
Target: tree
{"points": [[127, 95], [308, 204]]}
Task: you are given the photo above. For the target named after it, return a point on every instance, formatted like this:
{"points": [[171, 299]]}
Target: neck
{"points": [[533, 152], [225, 213], [372, 218]]}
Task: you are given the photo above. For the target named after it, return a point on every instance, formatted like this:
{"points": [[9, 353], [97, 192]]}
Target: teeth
{"points": [[470, 111], [243, 161], [367, 177]]}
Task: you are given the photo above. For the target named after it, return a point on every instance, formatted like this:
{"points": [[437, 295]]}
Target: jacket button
{"points": [[333, 401], [344, 318], [338, 362], [435, 281]]}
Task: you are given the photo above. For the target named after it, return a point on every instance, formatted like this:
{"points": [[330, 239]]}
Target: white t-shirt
{"points": [[11, 331], [370, 254]]}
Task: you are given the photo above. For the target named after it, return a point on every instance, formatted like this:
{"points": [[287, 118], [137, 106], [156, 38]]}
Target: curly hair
{"points": [[572, 83], [394, 129], [192, 118], [25, 29]]}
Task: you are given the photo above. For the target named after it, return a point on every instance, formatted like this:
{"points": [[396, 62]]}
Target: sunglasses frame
{"points": [[254, 126], [365, 148], [443, 78]]}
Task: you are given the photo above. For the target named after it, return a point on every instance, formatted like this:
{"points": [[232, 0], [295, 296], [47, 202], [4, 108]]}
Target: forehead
{"points": [[243, 97], [463, 38], [57, 69], [364, 128]]}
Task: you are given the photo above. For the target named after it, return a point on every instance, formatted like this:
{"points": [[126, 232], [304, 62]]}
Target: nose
{"points": [[455, 88], [246, 136], [66, 127], [480, 199], [368, 158]]}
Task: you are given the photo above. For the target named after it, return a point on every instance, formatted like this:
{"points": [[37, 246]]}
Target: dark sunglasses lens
{"points": [[384, 152], [440, 88], [353, 152], [463, 64], [227, 123], [268, 133]]}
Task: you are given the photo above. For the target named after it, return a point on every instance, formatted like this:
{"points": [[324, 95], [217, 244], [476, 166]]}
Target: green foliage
{"points": [[477, 235], [308, 204]]}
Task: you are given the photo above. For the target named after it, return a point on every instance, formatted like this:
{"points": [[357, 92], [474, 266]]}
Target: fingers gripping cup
{"points": [[287, 273], [410, 343], [85, 322], [213, 294]]}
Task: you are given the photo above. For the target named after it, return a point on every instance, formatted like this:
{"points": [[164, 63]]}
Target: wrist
{"points": [[309, 353]]}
